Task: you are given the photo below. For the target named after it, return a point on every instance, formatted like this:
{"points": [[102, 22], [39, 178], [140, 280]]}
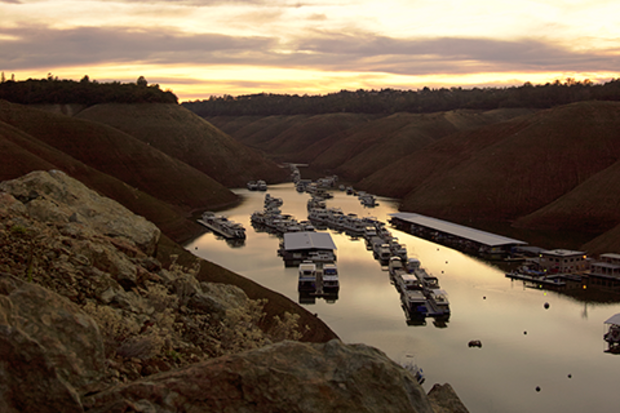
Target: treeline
{"points": [[427, 100], [85, 92]]}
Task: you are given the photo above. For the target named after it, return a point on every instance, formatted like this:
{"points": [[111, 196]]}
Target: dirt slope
{"points": [[515, 173], [353, 145], [122, 156], [593, 206], [401, 176], [189, 138], [22, 153]]}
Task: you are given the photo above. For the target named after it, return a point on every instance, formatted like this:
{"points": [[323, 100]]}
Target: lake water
{"points": [[524, 345]]}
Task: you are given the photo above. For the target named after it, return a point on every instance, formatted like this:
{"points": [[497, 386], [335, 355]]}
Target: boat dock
{"points": [[214, 229], [469, 240]]}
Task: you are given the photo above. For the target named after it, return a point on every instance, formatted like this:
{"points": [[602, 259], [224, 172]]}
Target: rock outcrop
{"points": [[50, 351], [285, 377]]}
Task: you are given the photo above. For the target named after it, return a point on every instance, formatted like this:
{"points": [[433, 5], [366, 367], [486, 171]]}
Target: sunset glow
{"points": [[198, 48]]}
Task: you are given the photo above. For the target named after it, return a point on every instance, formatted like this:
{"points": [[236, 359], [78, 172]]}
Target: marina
{"points": [[485, 305]]}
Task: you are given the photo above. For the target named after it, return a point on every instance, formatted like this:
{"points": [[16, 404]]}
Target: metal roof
{"points": [[611, 255], [614, 319], [308, 240], [482, 237], [562, 252]]}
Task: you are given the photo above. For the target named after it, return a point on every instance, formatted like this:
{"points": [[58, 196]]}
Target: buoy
{"points": [[546, 306], [537, 388], [570, 376], [525, 332], [484, 297]]}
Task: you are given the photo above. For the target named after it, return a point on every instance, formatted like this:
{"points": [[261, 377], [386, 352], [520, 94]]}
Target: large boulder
{"points": [[56, 197], [285, 377], [50, 351]]}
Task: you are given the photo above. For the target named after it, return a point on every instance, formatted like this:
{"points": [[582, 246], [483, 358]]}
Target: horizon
{"points": [[203, 48]]}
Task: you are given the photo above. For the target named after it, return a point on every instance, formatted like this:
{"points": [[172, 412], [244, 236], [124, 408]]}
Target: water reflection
{"points": [[487, 306]]}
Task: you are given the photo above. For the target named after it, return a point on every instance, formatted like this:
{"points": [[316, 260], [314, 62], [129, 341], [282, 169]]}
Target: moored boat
{"points": [[222, 225], [307, 277], [331, 282]]}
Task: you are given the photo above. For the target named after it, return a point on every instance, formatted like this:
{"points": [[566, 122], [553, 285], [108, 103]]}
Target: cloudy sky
{"points": [[199, 48]]}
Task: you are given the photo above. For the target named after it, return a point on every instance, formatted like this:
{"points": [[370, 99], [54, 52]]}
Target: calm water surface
{"points": [[502, 376]]}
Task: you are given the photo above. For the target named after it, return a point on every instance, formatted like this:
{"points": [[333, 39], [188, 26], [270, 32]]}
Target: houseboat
{"points": [[330, 278], [307, 277], [221, 225], [411, 293]]}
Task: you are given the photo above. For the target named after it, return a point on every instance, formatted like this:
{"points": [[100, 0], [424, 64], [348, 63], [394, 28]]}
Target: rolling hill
{"points": [[349, 144], [188, 138], [527, 164], [120, 155]]}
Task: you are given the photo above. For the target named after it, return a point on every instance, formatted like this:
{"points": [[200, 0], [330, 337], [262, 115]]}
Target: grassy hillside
{"points": [[353, 145], [122, 156], [187, 137], [547, 155], [23, 153], [415, 168], [595, 202]]}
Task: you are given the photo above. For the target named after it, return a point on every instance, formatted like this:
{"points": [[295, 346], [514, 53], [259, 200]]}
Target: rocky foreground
{"points": [[91, 321]]}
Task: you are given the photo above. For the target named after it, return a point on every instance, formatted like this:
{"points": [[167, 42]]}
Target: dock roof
{"points": [[481, 237], [308, 240]]}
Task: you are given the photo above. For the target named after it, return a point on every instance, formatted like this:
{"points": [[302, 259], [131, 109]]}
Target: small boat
{"points": [[272, 202], [261, 185], [612, 336], [416, 371], [395, 266], [368, 200]]}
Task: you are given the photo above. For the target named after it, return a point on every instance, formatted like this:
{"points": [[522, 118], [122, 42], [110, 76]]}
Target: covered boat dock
{"points": [[299, 246], [459, 237]]}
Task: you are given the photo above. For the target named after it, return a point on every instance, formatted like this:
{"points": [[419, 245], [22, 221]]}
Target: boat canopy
{"points": [[615, 319]]}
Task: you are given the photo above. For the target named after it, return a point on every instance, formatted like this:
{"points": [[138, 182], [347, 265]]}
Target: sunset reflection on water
{"points": [[524, 345]]}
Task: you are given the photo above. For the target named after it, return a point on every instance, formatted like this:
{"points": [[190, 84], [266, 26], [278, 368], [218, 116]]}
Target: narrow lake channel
{"points": [[524, 346]]}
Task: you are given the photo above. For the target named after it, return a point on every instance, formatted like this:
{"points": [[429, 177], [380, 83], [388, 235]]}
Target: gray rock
{"points": [[50, 351], [60, 198], [444, 399], [285, 377]]}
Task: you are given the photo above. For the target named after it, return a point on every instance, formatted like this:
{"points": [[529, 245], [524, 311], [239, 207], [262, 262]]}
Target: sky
{"points": [[200, 48]]}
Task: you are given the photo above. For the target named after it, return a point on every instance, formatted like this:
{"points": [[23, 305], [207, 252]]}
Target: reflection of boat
{"points": [[612, 336], [222, 226]]}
